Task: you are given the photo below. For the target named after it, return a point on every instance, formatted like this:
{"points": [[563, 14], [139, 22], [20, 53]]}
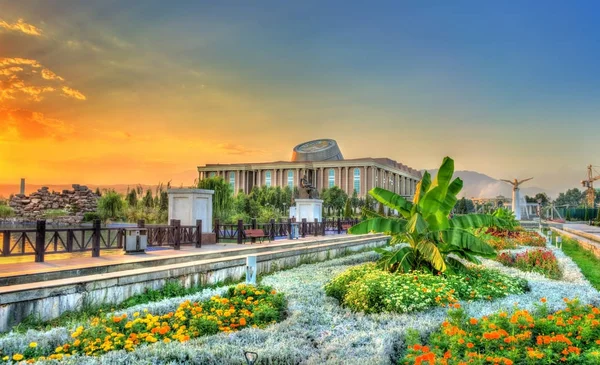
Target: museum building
{"points": [[322, 163]]}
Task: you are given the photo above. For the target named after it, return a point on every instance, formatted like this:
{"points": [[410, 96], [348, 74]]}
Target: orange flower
{"points": [[473, 321], [242, 321], [470, 345], [543, 300]]}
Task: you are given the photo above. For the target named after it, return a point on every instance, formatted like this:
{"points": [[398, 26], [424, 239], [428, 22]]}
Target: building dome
{"points": [[317, 150]]}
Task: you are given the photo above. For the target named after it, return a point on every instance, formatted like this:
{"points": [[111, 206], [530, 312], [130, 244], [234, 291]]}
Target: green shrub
{"points": [[55, 213], [365, 288], [91, 216], [6, 212], [110, 205]]}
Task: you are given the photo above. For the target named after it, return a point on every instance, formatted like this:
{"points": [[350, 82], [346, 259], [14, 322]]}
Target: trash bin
{"points": [[136, 240], [294, 231]]}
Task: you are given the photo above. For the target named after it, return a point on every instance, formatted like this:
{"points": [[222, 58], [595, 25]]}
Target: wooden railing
{"points": [[273, 229], [42, 240]]}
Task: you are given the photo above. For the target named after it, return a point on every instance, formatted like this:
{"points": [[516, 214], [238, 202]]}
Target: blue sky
{"points": [[506, 88]]}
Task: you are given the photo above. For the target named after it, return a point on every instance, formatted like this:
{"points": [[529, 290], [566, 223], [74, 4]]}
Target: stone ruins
{"points": [[74, 202]]}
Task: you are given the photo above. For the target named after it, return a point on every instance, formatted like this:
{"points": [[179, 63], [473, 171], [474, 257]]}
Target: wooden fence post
{"points": [[216, 230], [5, 243], [289, 228], [240, 231], [272, 230], [96, 239], [40, 240], [339, 226], [303, 227], [177, 228], [198, 233], [316, 227], [70, 235]]}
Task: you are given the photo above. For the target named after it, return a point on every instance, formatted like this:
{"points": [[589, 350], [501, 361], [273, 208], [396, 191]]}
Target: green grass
{"points": [[587, 262]]}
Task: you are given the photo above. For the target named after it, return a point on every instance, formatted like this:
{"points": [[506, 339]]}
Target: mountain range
{"points": [[478, 185]]}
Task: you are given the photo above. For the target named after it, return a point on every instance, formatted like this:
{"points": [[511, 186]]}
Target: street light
{"points": [[250, 357], [539, 208]]}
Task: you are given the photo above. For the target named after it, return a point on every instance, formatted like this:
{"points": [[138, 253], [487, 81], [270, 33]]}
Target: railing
{"points": [[235, 232], [42, 241]]}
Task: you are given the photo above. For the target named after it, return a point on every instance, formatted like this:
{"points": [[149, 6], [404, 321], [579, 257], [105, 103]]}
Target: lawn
{"points": [[587, 262]]}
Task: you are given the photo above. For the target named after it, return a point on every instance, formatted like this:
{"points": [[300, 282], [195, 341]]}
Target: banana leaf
{"points": [[467, 242], [431, 254], [421, 189], [436, 195], [392, 200], [379, 225], [476, 221]]}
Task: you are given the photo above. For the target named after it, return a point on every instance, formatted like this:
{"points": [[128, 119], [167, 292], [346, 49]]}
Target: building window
{"points": [[357, 180], [232, 180], [331, 178], [268, 178], [291, 179], [212, 174]]}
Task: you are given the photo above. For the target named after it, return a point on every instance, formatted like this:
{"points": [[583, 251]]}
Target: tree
{"points": [[148, 201], [110, 205], [132, 198], [425, 226], [572, 198], [348, 209], [335, 198], [98, 193], [354, 201], [222, 198], [381, 210]]}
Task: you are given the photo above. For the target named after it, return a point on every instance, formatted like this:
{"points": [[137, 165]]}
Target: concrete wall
{"points": [[76, 293]]}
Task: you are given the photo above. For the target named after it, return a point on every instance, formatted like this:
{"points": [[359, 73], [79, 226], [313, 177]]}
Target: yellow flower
{"points": [[58, 349], [5, 358], [17, 357], [33, 345]]}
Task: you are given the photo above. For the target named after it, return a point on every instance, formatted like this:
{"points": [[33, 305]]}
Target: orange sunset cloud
{"points": [[21, 26], [14, 71]]}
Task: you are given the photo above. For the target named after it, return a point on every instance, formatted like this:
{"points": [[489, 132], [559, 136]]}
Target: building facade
{"points": [[323, 165]]}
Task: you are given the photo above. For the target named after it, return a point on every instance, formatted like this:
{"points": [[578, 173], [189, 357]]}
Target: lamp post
{"points": [[284, 205], [539, 211], [250, 357]]}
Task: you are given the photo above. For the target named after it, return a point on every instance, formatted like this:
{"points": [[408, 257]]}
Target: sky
{"points": [[107, 92]]}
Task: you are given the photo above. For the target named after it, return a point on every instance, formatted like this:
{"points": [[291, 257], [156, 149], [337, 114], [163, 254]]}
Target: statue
{"points": [[516, 202], [307, 190]]}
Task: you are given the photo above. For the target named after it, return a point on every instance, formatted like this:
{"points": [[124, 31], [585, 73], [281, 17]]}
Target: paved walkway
{"points": [[115, 257], [584, 228]]}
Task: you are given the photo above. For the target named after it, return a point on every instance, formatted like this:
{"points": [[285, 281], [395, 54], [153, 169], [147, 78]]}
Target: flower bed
{"points": [[569, 336], [241, 306], [503, 240], [366, 288], [538, 260], [317, 330]]}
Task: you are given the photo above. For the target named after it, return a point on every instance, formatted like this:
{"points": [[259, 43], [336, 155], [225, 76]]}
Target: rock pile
{"points": [[74, 202]]}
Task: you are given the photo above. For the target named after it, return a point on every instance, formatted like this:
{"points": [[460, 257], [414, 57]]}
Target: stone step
{"points": [[58, 273]]}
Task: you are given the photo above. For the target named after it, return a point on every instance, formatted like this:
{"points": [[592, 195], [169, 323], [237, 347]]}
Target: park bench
{"points": [[254, 234]]}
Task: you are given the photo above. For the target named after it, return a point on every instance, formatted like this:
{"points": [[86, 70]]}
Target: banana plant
{"points": [[428, 235]]}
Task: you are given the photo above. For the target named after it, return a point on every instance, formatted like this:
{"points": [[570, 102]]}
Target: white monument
{"points": [[516, 196], [310, 209], [189, 205]]}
